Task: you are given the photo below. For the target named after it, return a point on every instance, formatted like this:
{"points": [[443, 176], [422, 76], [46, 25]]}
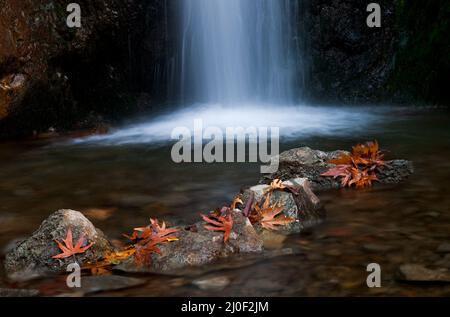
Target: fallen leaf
{"points": [[148, 238], [269, 215], [68, 248], [271, 218], [236, 201], [220, 223], [359, 168], [249, 205]]}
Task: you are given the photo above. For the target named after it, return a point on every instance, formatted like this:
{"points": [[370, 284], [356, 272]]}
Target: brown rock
{"points": [[199, 247], [33, 257], [305, 207], [307, 163]]}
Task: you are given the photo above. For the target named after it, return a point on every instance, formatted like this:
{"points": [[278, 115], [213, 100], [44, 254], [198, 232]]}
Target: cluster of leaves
{"points": [[269, 216], [145, 243], [147, 239], [358, 168]]}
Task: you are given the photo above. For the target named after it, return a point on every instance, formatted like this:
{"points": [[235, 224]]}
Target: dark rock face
{"points": [[54, 76], [307, 163], [198, 246], [348, 61], [33, 257]]}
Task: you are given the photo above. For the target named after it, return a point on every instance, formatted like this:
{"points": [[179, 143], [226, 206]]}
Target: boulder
{"points": [[33, 256], [197, 246], [304, 206], [308, 163]]}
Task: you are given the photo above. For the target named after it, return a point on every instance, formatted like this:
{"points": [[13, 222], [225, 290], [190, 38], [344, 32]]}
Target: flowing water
{"points": [[390, 225], [237, 68], [236, 51]]}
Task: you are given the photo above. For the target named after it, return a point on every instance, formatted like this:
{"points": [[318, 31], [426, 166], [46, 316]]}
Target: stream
{"points": [[120, 183]]}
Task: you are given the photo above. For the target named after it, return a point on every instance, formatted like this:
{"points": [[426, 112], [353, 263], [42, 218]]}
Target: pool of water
{"points": [[131, 181]]}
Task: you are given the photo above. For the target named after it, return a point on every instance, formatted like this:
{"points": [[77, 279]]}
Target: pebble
{"points": [[215, 283], [419, 273]]}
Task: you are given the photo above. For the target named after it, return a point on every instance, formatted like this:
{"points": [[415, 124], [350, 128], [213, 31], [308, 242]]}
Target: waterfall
{"points": [[239, 51], [232, 60]]}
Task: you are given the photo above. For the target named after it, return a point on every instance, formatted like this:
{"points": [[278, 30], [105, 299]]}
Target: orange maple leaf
{"points": [[270, 216], [68, 248], [110, 259], [358, 168], [220, 223], [148, 238], [362, 178]]}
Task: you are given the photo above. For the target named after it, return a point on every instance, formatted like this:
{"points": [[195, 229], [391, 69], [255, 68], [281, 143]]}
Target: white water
{"points": [[239, 66], [293, 121], [239, 51]]}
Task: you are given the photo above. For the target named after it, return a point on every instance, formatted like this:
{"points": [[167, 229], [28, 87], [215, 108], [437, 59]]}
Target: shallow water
{"points": [[390, 225]]}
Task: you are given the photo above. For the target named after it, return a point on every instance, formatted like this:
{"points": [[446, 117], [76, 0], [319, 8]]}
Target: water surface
{"points": [[390, 225]]}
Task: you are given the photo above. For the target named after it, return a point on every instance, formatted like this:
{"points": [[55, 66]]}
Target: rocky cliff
{"points": [[53, 76], [405, 60]]}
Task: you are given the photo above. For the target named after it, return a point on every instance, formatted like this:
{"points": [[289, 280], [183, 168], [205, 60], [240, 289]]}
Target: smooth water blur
{"points": [[129, 183], [293, 121], [234, 51]]}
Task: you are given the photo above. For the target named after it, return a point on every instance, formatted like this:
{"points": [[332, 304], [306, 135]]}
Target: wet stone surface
{"points": [[308, 163], [32, 257]]}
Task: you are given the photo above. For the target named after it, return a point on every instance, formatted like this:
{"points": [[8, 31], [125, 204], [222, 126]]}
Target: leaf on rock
{"points": [[103, 267], [69, 249], [360, 167], [220, 223], [249, 205], [237, 201], [147, 239], [270, 217]]}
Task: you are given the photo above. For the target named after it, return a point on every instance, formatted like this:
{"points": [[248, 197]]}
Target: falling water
{"points": [[238, 63], [239, 51]]}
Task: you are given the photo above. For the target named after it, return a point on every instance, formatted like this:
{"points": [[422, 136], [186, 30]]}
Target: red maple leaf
{"points": [[68, 248]]}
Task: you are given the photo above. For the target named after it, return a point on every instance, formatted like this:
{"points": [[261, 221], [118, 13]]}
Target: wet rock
{"points": [[273, 240], [39, 89], [197, 246], [310, 164], [345, 59], [10, 292], [419, 273], [215, 283], [305, 206], [96, 284], [33, 257]]}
